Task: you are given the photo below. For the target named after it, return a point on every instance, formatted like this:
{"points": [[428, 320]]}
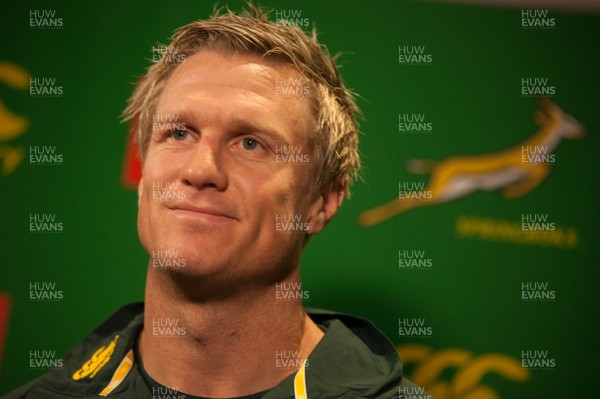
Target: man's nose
{"points": [[204, 168]]}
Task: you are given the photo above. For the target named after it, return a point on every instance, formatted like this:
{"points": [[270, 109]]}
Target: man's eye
{"points": [[250, 144], [178, 134]]}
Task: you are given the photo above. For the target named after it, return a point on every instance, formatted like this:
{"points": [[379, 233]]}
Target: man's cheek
{"points": [[142, 225]]}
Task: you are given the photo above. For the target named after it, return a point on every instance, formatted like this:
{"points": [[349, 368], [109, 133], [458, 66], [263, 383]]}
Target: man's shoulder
{"points": [[89, 366], [22, 391], [354, 359]]}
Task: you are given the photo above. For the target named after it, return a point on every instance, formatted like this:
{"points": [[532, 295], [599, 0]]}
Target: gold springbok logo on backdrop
{"points": [[515, 171], [469, 371]]}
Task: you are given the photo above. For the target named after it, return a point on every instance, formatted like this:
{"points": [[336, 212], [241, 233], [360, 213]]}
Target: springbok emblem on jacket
{"points": [[514, 171]]}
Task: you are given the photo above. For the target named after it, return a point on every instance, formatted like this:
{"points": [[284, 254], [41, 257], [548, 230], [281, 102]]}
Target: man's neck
{"points": [[226, 347]]}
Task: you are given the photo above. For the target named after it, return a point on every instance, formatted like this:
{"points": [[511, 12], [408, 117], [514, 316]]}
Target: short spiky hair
{"points": [[334, 141]]}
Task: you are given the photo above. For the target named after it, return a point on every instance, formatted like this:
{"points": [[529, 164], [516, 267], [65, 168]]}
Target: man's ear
{"points": [[323, 208]]}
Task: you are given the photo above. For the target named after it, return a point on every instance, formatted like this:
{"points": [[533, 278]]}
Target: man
{"points": [[248, 140]]}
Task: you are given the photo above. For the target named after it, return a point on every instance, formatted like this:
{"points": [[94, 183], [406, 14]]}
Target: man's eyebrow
{"points": [[251, 126], [242, 125]]}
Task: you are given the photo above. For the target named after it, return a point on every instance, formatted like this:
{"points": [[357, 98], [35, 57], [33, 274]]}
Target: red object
{"points": [[5, 305], [132, 166]]}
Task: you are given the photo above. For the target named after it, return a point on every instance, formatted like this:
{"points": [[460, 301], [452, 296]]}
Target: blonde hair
{"points": [[334, 141]]}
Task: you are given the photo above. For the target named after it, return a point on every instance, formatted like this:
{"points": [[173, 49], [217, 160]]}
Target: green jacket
{"points": [[353, 360]]}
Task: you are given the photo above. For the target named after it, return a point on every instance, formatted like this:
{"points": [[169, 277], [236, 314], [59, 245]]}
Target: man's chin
{"points": [[179, 253], [201, 282], [188, 263]]}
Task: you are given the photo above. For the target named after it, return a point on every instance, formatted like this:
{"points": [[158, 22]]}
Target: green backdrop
{"points": [[468, 87]]}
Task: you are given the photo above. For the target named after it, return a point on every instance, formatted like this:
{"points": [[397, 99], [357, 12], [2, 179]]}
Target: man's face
{"points": [[213, 188]]}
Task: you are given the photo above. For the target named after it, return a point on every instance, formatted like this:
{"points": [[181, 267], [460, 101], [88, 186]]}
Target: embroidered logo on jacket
{"points": [[97, 361]]}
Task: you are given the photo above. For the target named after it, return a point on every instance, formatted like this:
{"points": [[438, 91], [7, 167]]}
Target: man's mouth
{"points": [[185, 208]]}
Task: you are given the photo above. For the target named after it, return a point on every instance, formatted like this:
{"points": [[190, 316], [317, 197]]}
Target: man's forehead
{"points": [[248, 82], [211, 67]]}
